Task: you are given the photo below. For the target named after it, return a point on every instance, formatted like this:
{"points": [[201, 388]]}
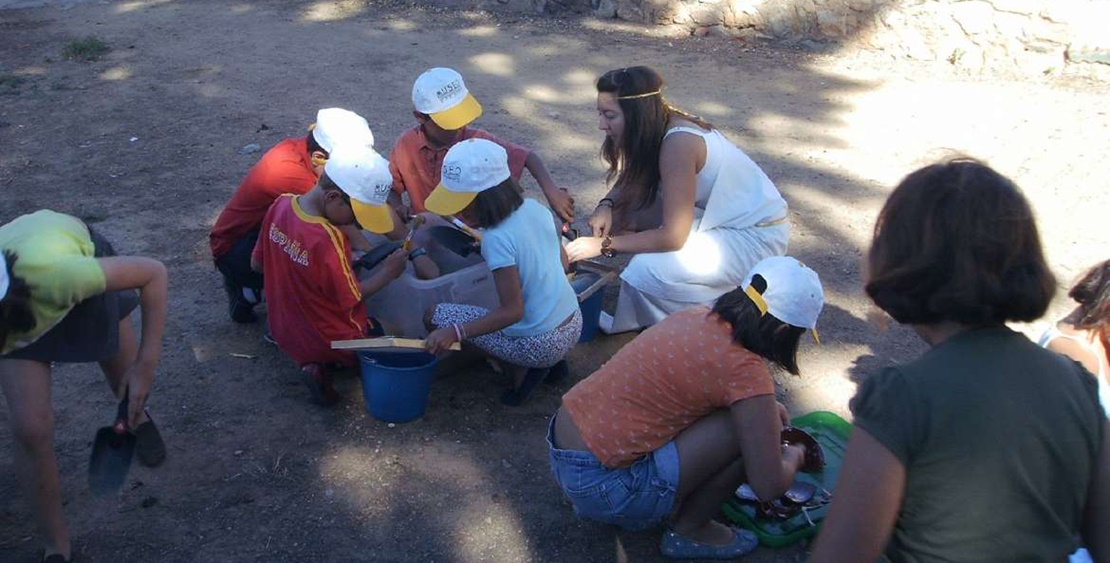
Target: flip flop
{"points": [[675, 546]]}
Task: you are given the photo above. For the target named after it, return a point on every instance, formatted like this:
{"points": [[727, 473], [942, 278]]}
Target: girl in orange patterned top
{"points": [[682, 415]]}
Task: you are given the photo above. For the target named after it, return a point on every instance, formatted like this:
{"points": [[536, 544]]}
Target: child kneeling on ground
{"points": [[678, 419], [312, 292], [538, 320], [66, 297]]}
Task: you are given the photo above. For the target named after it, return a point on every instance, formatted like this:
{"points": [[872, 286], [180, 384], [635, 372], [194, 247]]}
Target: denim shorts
{"points": [[635, 498]]}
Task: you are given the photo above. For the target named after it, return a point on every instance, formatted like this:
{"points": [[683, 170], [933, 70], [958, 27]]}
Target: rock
{"points": [[250, 149], [628, 11], [975, 18], [605, 9], [706, 15], [1088, 54], [830, 24]]}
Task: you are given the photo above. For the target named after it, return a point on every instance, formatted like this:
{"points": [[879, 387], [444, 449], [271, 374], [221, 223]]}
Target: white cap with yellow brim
{"points": [[442, 94], [470, 167], [5, 281], [363, 175], [335, 126], [793, 294]]}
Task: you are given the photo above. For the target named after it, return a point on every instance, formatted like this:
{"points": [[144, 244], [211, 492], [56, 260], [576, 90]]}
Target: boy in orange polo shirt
{"points": [[292, 166], [312, 292], [444, 108]]}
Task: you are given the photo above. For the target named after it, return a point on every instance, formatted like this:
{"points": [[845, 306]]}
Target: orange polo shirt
{"points": [[416, 165], [673, 374]]}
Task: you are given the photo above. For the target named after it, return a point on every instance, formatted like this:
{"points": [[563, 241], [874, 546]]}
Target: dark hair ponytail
{"points": [[15, 308], [760, 333]]}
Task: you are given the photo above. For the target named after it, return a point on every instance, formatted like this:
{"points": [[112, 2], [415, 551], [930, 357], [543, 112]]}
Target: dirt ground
{"points": [[145, 144]]}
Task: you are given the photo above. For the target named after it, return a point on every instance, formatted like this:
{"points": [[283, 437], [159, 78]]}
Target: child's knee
{"points": [[34, 431]]}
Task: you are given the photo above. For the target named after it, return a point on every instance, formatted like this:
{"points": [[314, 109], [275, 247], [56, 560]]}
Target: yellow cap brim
{"points": [[446, 202], [373, 218], [459, 116]]}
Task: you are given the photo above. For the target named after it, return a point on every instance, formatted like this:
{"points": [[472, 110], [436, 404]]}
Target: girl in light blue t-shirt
{"points": [[538, 320]]}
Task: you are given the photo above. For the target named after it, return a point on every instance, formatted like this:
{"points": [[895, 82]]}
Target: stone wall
{"points": [[1032, 36]]}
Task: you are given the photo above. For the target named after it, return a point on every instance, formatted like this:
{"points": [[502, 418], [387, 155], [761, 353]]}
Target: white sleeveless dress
{"points": [[739, 219]]}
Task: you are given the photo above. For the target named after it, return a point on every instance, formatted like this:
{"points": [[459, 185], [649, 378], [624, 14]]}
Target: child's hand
{"points": [[561, 203], [394, 264], [439, 340], [139, 377]]}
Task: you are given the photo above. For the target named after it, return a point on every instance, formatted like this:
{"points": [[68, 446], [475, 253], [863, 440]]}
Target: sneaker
{"points": [[238, 307], [319, 385], [149, 447]]}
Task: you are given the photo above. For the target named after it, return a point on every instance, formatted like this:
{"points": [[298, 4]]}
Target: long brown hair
{"points": [[634, 165], [1092, 292]]}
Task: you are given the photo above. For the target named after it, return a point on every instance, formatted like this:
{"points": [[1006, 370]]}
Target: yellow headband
{"points": [[637, 96]]}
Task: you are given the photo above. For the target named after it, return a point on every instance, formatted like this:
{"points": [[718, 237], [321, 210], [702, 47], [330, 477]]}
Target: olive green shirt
{"points": [[998, 438]]}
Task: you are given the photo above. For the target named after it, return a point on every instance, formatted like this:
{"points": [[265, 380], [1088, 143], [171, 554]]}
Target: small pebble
{"points": [[391, 425], [250, 149]]}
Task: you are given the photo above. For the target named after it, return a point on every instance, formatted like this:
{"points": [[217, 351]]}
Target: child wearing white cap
{"points": [[313, 295], [292, 166], [538, 320], [444, 108], [66, 297], [678, 419]]}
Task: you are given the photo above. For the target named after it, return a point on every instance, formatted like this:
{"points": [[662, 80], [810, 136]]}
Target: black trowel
{"points": [[113, 448]]}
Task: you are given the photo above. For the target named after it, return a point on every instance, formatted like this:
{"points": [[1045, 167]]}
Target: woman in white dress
{"points": [[695, 210]]}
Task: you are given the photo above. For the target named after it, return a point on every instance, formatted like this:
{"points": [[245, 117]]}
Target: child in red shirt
{"points": [[312, 292], [292, 167]]}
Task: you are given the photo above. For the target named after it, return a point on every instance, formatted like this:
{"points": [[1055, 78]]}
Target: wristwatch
{"points": [[607, 247], [417, 253]]}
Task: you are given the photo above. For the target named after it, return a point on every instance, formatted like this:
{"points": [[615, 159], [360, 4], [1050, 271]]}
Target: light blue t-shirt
{"points": [[527, 239]]}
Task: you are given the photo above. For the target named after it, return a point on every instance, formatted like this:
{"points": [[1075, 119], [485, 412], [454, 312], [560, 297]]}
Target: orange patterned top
{"points": [[671, 375]]}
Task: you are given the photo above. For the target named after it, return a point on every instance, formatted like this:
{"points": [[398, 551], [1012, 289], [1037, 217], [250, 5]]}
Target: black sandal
{"points": [[149, 446], [54, 558]]}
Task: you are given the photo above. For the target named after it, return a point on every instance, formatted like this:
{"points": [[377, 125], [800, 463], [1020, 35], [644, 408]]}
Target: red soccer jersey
{"points": [[284, 169], [312, 294]]}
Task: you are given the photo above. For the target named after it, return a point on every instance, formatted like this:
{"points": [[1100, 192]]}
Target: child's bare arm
{"points": [[560, 201], [150, 278]]}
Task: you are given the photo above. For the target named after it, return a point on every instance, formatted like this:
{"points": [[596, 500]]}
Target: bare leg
{"points": [[26, 387], [115, 368], [712, 469]]}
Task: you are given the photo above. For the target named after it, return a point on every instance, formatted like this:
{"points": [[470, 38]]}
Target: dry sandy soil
{"points": [[144, 144]]}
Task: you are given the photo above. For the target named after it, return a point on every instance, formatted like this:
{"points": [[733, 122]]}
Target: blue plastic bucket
{"points": [[396, 384], [591, 306]]}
